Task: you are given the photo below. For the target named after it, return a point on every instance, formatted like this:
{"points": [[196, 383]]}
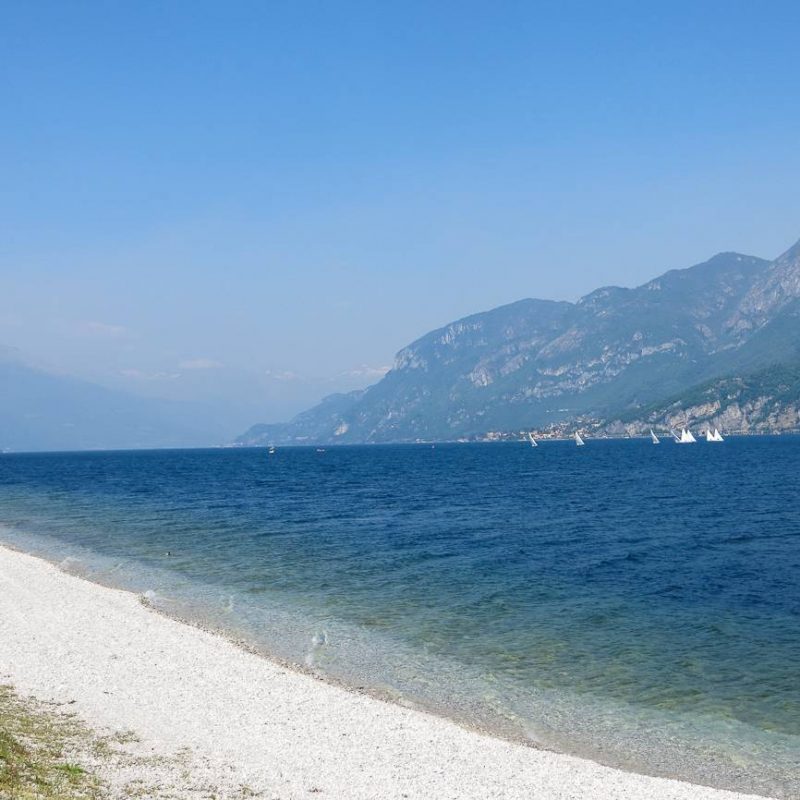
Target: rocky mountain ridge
{"points": [[617, 355]]}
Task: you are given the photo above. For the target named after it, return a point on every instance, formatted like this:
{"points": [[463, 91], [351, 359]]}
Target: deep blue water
{"points": [[634, 603]]}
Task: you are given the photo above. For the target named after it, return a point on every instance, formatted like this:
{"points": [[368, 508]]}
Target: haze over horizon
{"points": [[254, 207]]}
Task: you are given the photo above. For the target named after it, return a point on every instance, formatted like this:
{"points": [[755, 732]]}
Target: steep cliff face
{"points": [[777, 288], [766, 401], [613, 353]]}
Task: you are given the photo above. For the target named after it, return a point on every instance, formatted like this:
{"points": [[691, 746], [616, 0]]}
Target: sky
{"points": [[258, 203]]}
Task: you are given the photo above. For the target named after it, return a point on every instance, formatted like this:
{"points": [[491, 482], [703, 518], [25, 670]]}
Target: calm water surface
{"points": [[633, 603]]}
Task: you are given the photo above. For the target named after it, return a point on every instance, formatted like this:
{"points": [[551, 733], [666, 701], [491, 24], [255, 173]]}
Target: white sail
{"points": [[578, 440], [716, 436], [686, 437], [532, 440], [655, 438], [709, 435]]}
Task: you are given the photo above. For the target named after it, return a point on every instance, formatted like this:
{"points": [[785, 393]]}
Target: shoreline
{"points": [[428, 442], [122, 665]]}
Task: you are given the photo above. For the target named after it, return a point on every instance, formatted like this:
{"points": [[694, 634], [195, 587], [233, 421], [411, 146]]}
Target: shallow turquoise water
{"points": [[634, 603]]}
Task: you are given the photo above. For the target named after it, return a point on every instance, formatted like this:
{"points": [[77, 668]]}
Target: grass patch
{"points": [[37, 754], [46, 754]]}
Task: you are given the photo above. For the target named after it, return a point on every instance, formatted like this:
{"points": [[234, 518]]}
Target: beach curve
{"points": [[286, 734]]}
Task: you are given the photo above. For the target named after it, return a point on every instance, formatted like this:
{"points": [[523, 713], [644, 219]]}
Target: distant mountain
{"points": [[615, 355], [40, 410]]}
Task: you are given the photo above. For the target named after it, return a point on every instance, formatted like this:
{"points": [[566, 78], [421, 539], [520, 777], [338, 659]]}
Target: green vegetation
{"points": [[38, 754], [46, 754], [780, 383]]}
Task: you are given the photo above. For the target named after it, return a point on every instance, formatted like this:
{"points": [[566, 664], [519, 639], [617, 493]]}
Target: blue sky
{"points": [[267, 200]]}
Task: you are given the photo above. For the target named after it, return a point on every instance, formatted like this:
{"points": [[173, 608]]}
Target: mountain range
{"points": [[43, 410], [717, 342]]}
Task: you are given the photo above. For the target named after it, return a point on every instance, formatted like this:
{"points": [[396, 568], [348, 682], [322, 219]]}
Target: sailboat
{"points": [[533, 441], [578, 440], [271, 450], [655, 438], [714, 437], [686, 437]]}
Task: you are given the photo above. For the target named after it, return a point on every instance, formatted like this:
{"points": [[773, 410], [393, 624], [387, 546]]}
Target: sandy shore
{"points": [[249, 722]]}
